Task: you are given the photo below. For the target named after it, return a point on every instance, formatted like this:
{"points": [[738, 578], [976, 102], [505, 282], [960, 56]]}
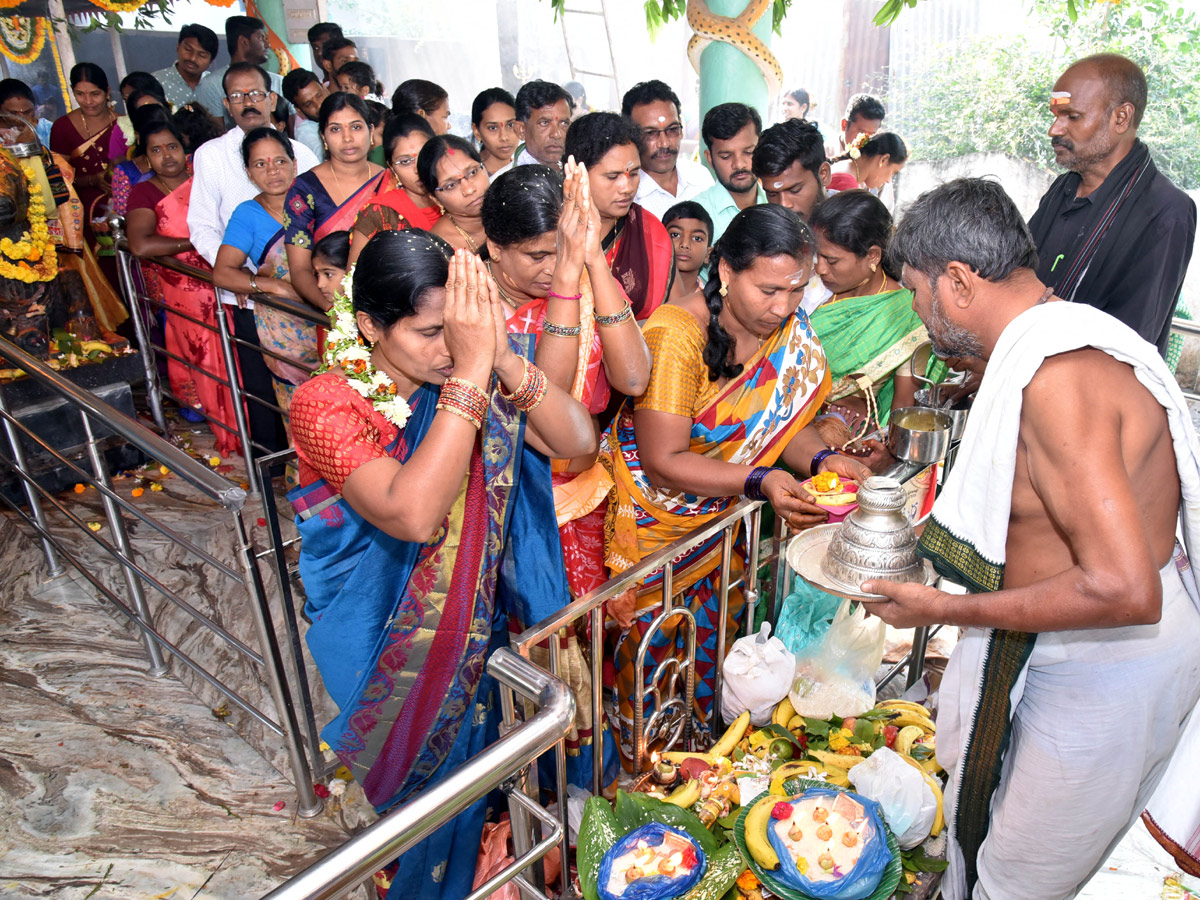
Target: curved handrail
{"points": [[402, 828], [191, 470]]}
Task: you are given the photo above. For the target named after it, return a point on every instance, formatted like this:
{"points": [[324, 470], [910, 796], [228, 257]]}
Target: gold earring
{"points": [[724, 291], [873, 268]]}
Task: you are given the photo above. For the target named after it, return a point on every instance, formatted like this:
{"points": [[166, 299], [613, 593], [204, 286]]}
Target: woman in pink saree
{"points": [[156, 225]]}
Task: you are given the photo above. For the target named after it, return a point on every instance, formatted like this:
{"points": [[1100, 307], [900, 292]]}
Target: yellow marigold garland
{"points": [[119, 6], [33, 258], [22, 39]]}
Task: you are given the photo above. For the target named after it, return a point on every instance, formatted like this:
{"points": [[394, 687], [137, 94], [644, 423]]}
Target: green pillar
{"points": [[271, 12], [726, 74]]}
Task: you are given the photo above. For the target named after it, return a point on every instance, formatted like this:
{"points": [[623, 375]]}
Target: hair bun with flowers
{"points": [[345, 349], [854, 151]]}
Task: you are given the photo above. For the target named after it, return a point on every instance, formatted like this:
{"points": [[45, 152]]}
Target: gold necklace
{"points": [[88, 132], [845, 295], [471, 245], [499, 290], [338, 181]]}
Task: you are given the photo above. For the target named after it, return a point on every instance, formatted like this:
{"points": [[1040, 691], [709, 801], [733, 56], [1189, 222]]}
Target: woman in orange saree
{"points": [[544, 253], [157, 226], [406, 204], [738, 377]]}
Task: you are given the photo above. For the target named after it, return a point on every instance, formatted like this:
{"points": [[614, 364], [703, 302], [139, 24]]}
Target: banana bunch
{"points": [[757, 842], [917, 733]]}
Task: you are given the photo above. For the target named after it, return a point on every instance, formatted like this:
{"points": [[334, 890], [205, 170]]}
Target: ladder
{"points": [[602, 14]]}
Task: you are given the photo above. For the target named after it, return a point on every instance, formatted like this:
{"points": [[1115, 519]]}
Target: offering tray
{"points": [[807, 551]]}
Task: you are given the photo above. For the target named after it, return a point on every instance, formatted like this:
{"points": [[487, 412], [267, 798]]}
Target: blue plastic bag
{"points": [[862, 879], [654, 887], [806, 615]]}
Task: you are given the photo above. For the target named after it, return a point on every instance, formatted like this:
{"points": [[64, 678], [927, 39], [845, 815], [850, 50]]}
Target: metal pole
{"points": [[916, 656], [116, 225], [158, 666], [750, 585], [597, 701], [114, 41], [53, 563], [722, 625], [560, 757], [229, 349], [522, 828], [309, 803]]}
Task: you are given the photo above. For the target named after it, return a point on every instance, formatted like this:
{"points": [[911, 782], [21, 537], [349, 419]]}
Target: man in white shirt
{"points": [[220, 183], [665, 178], [195, 51], [543, 117], [246, 37]]}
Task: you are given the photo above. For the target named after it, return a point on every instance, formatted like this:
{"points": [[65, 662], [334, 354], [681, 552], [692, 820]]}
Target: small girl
{"points": [[329, 261]]}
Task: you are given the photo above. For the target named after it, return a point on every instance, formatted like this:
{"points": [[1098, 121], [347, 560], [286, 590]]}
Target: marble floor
{"points": [[114, 784]]}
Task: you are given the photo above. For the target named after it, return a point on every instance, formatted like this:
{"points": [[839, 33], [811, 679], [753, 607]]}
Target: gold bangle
{"points": [[461, 413]]}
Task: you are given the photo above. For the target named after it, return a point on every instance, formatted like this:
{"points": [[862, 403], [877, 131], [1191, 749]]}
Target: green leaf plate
{"points": [[887, 883]]}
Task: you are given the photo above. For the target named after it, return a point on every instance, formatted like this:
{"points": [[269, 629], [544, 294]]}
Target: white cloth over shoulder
{"points": [[974, 508]]}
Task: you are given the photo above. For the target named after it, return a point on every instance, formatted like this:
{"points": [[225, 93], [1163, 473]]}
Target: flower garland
{"points": [[36, 260], [119, 6], [21, 38], [346, 349], [854, 151]]}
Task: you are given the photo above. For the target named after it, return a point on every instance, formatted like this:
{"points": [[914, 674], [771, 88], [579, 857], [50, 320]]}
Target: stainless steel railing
{"points": [[500, 765], [140, 584]]}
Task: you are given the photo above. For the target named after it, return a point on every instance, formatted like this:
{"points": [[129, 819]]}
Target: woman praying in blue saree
{"points": [[423, 464]]}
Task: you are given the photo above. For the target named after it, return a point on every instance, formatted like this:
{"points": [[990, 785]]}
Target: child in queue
{"points": [[330, 262], [690, 228]]}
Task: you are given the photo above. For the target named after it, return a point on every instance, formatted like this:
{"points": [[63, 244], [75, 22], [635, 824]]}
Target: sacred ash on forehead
{"points": [[777, 185], [1059, 98]]}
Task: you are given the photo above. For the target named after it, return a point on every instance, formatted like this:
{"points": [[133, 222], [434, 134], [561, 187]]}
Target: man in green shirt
{"points": [[730, 132]]}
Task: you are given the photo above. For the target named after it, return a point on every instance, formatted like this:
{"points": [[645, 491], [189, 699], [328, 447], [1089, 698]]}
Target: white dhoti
{"points": [[1098, 719]]}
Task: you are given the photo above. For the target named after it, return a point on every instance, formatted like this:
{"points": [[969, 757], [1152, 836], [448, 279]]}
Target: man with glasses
{"points": [[246, 37], [666, 179], [220, 183], [543, 115]]}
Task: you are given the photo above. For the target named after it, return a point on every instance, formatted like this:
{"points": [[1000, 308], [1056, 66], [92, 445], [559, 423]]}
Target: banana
{"points": [[932, 766], [795, 722], [89, 346], [907, 718], [903, 704], [676, 757], [791, 770], [845, 762], [939, 820], [908, 735], [783, 712], [757, 842], [732, 735], [685, 795]]}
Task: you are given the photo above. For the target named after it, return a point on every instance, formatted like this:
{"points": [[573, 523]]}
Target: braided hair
{"points": [[766, 230]]}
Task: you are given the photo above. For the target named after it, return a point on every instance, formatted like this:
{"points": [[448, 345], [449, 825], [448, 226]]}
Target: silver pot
{"points": [[875, 541], [919, 435]]}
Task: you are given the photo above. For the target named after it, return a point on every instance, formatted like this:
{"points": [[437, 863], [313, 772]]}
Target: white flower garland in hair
{"points": [[346, 349], [854, 151]]}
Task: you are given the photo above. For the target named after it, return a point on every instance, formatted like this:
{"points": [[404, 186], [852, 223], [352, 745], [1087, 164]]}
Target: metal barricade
{"points": [[500, 765], [140, 584], [142, 309]]}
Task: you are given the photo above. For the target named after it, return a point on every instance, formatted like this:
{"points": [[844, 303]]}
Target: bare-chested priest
{"points": [[1063, 711]]}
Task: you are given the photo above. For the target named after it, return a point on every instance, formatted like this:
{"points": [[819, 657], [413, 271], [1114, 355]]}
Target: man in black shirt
{"points": [[1113, 231]]}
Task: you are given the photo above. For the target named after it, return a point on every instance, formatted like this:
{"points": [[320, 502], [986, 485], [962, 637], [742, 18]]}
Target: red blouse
{"points": [[336, 430]]}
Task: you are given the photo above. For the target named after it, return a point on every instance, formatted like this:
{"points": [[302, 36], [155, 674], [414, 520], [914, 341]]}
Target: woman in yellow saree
{"points": [[737, 378]]}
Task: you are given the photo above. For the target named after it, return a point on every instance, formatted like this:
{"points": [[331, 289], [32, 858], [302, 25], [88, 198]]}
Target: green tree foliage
{"points": [[986, 94]]}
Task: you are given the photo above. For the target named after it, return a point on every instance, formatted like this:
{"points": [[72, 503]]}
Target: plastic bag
{"points": [[656, 886], [907, 801], [758, 673], [864, 876], [837, 677], [806, 615]]}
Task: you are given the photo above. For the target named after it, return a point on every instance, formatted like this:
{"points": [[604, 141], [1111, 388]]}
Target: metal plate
{"points": [[806, 552]]}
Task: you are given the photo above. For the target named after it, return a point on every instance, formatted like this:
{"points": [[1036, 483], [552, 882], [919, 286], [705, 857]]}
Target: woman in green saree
{"points": [[868, 327]]}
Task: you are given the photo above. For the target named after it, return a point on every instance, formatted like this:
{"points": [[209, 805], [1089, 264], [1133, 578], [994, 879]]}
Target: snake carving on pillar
{"points": [[735, 31]]}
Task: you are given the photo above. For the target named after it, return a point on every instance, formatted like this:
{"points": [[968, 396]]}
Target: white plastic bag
{"points": [[757, 675], [837, 676], [908, 802]]}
